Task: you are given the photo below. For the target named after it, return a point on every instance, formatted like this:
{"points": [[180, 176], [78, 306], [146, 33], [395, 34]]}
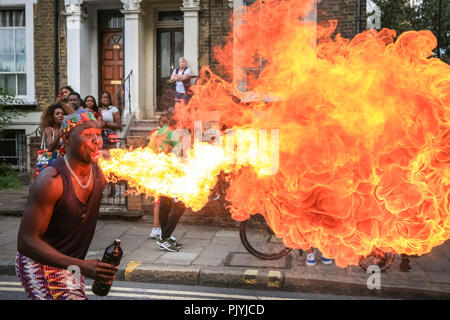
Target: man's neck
{"points": [[79, 167]]}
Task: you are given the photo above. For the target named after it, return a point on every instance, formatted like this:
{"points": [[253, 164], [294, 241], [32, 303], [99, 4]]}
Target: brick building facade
{"points": [[346, 12], [48, 18], [215, 16], [44, 54], [66, 41], [214, 24]]}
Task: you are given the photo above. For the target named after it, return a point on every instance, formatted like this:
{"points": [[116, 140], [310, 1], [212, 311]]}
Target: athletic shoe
{"points": [[177, 244], [156, 233], [167, 245], [310, 259], [326, 260]]}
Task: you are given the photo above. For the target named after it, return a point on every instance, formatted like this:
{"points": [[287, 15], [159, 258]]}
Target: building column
{"points": [[191, 9], [75, 20], [133, 57]]}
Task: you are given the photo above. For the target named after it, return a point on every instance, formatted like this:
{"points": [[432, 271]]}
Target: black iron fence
{"points": [[114, 194], [13, 149]]}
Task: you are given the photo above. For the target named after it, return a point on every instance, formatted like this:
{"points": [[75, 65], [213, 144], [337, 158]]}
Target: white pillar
{"points": [[239, 70], [75, 19], [133, 56], [191, 9], [312, 15]]}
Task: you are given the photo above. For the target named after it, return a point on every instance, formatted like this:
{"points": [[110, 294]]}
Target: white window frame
{"points": [[29, 98]]}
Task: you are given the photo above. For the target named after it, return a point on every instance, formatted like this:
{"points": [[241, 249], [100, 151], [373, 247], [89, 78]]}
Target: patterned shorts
{"points": [[42, 282]]}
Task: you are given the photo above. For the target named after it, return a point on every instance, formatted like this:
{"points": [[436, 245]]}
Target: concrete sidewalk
{"points": [[214, 256]]}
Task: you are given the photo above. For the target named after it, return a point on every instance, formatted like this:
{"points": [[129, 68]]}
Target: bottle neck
{"points": [[116, 246]]}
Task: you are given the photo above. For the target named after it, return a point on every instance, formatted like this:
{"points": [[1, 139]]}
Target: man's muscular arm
{"points": [[45, 192]]}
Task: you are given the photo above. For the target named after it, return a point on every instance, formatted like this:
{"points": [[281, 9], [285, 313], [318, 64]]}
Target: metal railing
{"points": [[115, 194], [126, 84], [13, 149], [127, 81]]}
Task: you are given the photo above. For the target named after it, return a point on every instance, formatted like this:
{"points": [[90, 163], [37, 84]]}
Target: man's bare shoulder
{"points": [[48, 184]]}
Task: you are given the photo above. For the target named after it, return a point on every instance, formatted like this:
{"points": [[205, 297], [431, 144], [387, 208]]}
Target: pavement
{"points": [[214, 256]]}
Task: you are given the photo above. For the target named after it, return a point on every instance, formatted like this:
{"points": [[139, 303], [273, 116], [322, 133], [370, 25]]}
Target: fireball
{"points": [[364, 135]]}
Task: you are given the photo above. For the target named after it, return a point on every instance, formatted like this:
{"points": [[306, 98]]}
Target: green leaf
{"points": [[400, 16], [8, 114]]}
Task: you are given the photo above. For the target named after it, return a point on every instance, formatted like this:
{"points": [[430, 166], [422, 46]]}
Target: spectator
{"points": [[75, 100], [91, 104], [63, 94], [112, 121], [51, 120], [170, 210], [156, 231], [182, 77], [163, 120], [163, 141]]}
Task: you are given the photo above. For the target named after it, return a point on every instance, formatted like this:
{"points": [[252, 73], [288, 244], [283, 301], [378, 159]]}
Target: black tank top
{"points": [[72, 224]]}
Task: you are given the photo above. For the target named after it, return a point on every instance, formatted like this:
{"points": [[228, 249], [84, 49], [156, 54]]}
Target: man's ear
{"points": [[65, 138]]}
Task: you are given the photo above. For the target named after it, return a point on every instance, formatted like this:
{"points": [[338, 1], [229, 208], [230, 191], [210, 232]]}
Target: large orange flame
{"points": [[364, 132], [364, 144]]}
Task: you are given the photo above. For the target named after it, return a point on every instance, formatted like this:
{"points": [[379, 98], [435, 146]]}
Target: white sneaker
{"points": [[156, 233], [167, 245], [310, 259], [326, 260]]}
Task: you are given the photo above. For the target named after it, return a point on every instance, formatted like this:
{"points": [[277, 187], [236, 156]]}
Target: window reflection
{"points": [[13, 51]]}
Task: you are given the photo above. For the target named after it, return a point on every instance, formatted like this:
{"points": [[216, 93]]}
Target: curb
{"points": [[262, 279], [102, 215], [11, 212], [274, 280]]}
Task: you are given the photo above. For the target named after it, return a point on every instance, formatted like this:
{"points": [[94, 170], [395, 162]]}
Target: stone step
{"points": [[149, 124], [141, 131], [146, 121], [143, 127]]}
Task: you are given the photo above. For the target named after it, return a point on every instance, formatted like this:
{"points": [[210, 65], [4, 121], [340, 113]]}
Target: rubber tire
{"points": [[253, 251]]}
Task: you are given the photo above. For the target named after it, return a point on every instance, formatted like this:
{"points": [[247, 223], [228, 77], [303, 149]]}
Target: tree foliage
{"points": [[7, 111], [401, 16]]}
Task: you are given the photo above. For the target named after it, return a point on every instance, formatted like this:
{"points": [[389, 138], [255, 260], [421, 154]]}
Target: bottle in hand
{"points": [[112, 255]]}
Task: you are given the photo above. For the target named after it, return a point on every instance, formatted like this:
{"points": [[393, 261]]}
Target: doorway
{"points": [[111, 55], [170, 48]]}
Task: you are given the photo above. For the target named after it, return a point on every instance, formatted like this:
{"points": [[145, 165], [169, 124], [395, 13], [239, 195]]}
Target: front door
{"points": [[170, 50], [111, 59]]}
